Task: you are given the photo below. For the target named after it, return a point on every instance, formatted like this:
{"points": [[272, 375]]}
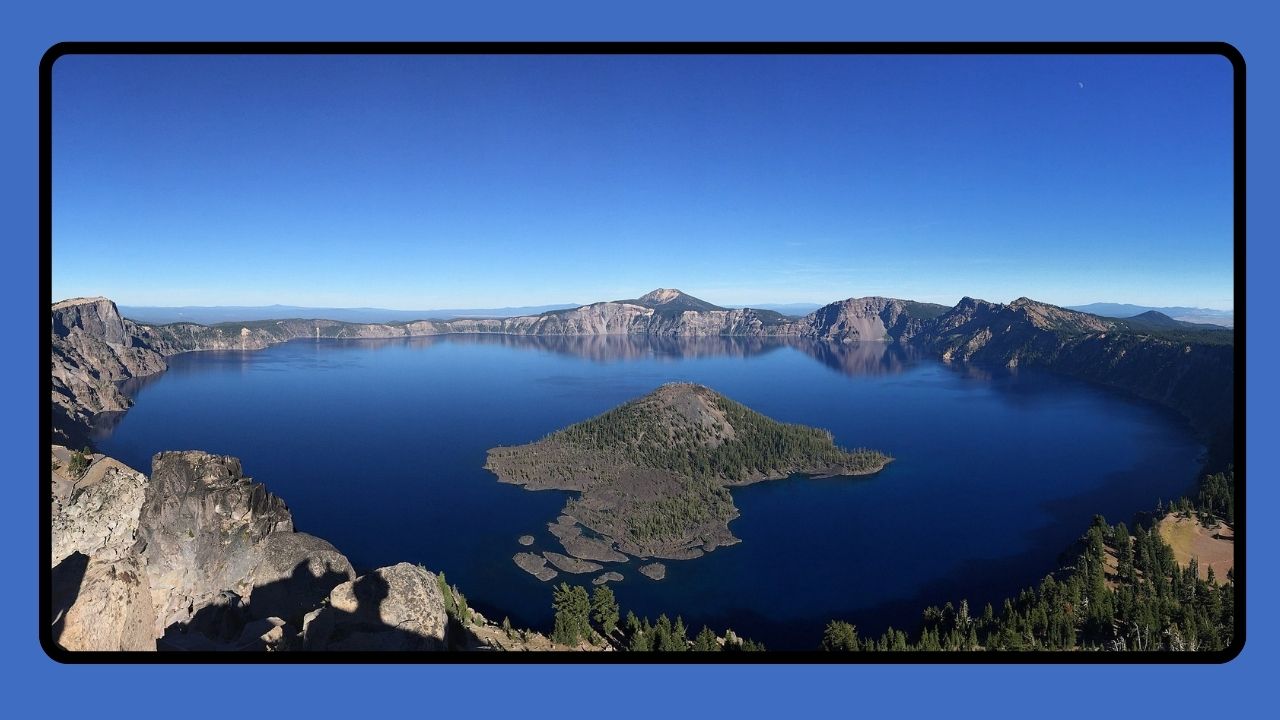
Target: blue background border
{"points": [[783, 691]]}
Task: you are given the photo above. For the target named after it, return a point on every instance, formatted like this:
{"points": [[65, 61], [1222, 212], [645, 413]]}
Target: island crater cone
{"points": [[653, 474]]}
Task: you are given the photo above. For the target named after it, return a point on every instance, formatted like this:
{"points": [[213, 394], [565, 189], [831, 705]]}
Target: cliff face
{"points": [[93, 349], [197, 556], [1194, 375], [1185, 367], [869, 319]]}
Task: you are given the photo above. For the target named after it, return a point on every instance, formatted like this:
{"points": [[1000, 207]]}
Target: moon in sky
{"points": [[1081, 85]]}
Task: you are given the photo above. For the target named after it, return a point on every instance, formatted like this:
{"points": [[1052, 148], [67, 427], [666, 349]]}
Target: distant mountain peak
{"points": [[662, 296], [670, 300], [1025, 301]]}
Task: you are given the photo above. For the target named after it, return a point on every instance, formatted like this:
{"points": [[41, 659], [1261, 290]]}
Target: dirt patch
{"points": [[1211, 547]]}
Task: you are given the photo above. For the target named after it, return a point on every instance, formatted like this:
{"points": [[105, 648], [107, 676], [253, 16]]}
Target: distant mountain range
{"points": [[1183, 365], [214, 314], [1225, 318]]}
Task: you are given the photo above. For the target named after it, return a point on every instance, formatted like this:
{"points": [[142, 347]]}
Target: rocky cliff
{"points": [[869, 319], [1184, 366], [199, 557], [94, 349]]}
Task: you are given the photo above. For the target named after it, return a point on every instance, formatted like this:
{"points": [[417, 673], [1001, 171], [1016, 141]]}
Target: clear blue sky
{"points": [[423, 182]]}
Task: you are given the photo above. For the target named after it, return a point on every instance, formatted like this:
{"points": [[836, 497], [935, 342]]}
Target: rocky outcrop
{"points": [[102, 604], [869, 319], [101, 592], [295, 572], [397, 608], [1187, 369], [97, 513], [200, 557], [93, 350], [201, 531]]}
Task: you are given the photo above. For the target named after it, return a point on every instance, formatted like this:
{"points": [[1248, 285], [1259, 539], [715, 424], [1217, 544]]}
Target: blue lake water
{"points": [[378, 447]]}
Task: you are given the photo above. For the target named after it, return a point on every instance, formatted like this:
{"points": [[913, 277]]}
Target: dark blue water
{"points": [[377, 446]]}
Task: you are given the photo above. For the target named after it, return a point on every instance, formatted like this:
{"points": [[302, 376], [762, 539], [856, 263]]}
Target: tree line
{"points": [[1124, 591], [648, 438], [594, 619]]}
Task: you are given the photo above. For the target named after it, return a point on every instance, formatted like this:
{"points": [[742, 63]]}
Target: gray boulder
{"points": [[396, 608], [295, 574]]}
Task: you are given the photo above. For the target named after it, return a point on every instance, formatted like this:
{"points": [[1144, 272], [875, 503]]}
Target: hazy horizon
{"points": [[423, 182], [624, 296]]}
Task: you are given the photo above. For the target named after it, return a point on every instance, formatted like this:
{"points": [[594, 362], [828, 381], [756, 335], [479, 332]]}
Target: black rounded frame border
{"points": [[51, 56]]}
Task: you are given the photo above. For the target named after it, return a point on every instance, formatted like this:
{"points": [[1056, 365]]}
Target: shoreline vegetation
{"points": [[1122, 592], [652, 476]]}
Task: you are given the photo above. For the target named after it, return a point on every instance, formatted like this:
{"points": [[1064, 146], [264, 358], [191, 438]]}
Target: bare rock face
{"points": [[869, 319], [201, 531], [396, 608], [102, 604], [199, 557], [93, 349], [295, 574], [97, 514]]}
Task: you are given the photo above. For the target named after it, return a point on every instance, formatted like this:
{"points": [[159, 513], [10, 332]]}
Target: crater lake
{"points": [[379, 446]]}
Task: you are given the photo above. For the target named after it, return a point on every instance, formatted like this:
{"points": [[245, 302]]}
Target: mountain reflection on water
{"points": [[858, 358]]}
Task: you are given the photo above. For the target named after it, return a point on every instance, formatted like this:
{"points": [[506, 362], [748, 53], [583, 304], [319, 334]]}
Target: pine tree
{"points": [[706, 641], [573, 608], [604, 609], [679, 636], [840, 637]]}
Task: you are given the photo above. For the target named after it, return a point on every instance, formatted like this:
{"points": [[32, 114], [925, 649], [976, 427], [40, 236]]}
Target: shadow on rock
{"points": [[67, 577], [398, 608], [268, 620]]}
